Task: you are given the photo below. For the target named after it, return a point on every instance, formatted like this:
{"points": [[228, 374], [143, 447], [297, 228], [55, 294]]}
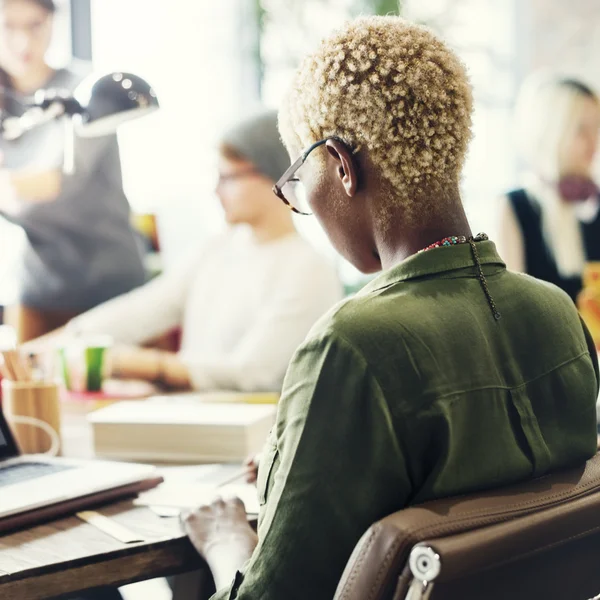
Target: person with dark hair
{"points": [[244, 299], [80, 248], [550, 227]]}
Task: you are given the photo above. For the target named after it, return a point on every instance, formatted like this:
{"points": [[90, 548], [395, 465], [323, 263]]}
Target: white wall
{"points": [[486, 35], [190, 51]]}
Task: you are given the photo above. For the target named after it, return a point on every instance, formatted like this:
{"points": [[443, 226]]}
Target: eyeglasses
{"points": [[289, 188]]}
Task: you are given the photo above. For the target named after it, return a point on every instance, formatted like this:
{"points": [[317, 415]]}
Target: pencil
{"points": [[238, 475], [14, 360], [8, 363], [5, 369]]}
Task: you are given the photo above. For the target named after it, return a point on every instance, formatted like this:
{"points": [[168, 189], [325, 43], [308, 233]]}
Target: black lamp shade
{"points": [[110, 100]]}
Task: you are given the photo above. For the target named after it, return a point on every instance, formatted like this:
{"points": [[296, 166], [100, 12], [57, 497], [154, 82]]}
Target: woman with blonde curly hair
{"points": [[446, 374]]}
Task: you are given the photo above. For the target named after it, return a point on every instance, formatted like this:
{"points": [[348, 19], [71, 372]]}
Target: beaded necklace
{"points": [[453, 240]]}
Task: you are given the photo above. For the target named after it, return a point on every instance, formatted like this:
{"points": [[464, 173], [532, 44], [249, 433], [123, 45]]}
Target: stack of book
{"points": [[224, 396], [168, 429]]}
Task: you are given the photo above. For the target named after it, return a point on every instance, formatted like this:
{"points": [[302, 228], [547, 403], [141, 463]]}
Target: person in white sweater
{"points": [[244, 301]]}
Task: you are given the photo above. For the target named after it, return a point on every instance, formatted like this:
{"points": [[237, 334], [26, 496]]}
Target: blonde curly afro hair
{"points": [[394, 88]]}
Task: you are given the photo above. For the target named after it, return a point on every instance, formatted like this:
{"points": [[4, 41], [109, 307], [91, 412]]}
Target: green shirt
{"points": [[410, 391]]}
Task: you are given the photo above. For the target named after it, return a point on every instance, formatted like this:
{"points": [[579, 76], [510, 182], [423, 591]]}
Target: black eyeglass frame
{"points": [[293, 169]]}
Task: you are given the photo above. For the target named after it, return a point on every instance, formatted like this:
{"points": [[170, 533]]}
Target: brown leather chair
{"points": [[536, 540]]}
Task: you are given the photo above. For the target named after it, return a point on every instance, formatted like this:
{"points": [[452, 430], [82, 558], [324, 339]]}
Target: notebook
{"points": [[165, 429], [190, 495]]}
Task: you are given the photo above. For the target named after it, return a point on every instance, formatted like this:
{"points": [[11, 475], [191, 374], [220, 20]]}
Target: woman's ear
{"points": [[344, 164]]}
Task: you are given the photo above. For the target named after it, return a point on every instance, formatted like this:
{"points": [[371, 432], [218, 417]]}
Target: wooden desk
{"points": [[68, 555]]}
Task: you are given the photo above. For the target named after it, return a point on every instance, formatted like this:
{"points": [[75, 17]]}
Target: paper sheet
{"points": [[191, 495]]}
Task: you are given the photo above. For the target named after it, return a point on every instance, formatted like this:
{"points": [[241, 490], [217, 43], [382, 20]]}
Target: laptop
{"points": [[35, 487]]}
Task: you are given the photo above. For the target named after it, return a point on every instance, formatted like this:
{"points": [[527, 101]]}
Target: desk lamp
{"points": [[97, 107]]}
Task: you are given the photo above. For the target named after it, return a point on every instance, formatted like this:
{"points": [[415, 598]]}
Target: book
{"points": [[163, 429], [224, 396]]}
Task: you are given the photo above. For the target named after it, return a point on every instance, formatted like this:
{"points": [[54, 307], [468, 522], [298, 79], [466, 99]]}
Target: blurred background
{"points": [[211, 62]]}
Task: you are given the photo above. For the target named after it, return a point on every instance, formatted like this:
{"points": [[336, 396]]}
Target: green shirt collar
{"points": [[435, 262]]}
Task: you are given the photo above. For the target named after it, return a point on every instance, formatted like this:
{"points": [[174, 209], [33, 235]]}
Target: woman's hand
{"points": [[157, 366], [251, 464], [221, 534], [36, 186], [129, 362], [220, 522]]}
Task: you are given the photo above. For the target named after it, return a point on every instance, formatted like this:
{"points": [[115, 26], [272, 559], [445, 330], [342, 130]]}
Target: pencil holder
{"points": [[32, 410]]}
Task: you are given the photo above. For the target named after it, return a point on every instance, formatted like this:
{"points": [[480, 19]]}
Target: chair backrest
{"points": [[539, 539]]}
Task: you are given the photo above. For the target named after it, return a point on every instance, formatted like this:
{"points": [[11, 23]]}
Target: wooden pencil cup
{"points": [[32, 400]]}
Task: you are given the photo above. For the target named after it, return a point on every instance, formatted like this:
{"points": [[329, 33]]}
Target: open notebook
{"points": [[178, 496]]}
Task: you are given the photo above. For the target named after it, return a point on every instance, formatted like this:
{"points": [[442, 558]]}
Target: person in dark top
{"points": [[80, 248], [551, 227]]}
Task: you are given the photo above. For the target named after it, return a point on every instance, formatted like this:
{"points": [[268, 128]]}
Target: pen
{"points": [[235, 477]]}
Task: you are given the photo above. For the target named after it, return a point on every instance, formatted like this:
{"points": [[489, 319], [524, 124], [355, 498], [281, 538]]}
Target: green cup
{"points": [[82, 361]]}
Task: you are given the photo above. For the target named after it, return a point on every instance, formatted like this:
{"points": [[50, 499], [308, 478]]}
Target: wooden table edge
{"points": [[119, 567]]}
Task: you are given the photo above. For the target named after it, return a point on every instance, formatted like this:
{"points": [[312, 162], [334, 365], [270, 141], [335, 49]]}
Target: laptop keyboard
{"points": [[31, 470]]}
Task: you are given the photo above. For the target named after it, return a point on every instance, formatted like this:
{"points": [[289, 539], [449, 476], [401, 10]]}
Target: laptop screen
{"points": [[8, 447]]}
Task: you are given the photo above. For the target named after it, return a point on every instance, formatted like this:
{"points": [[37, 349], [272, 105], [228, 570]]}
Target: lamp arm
{"points": [[102, 103], [46, 106], [14, 127]]}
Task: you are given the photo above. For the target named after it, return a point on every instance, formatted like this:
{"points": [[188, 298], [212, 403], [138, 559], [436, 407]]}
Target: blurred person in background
{"points": [[551, 227], [244, 300], [80, 248]]}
